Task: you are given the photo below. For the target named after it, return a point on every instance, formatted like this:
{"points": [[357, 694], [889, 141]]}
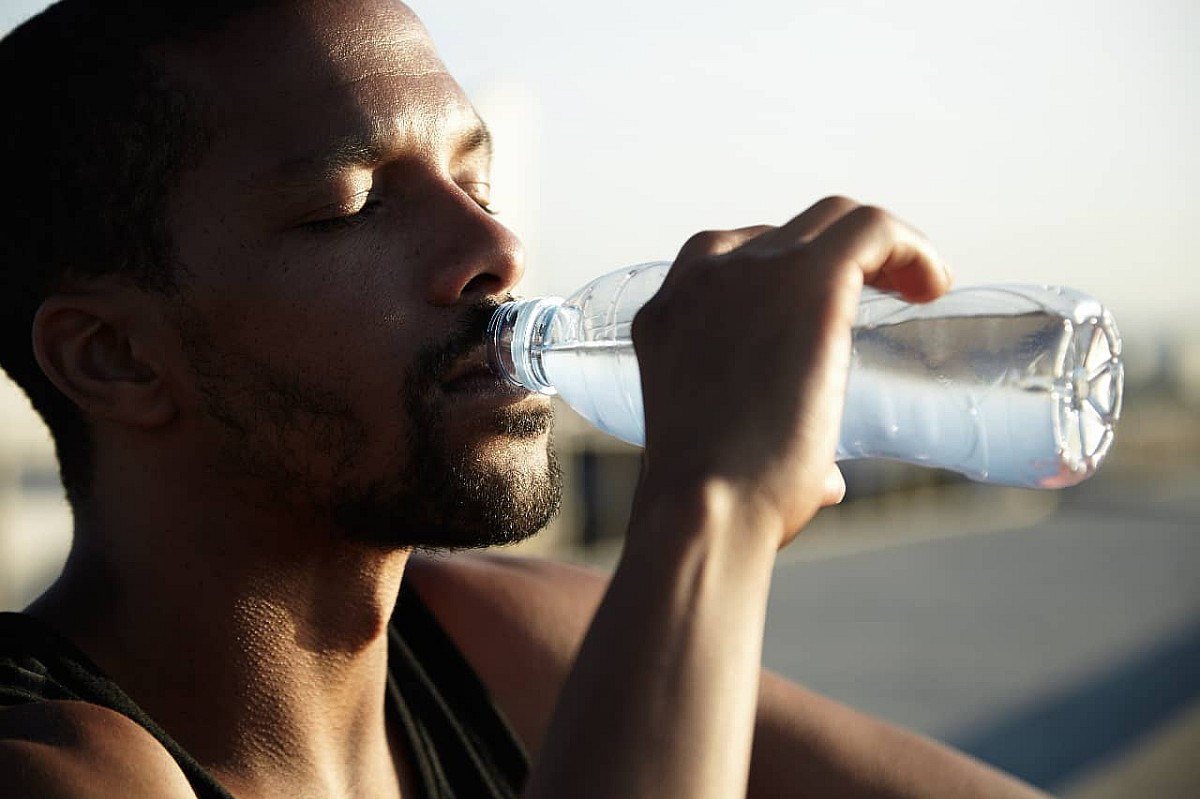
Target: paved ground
{"points": [[1057, 635]]}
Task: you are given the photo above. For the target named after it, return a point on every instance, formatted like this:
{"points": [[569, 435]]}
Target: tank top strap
{"points": [[459, 741], [37, 664]]}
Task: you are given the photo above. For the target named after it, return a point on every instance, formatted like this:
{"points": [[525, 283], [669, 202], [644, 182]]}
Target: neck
{"points": [[269, 651]]}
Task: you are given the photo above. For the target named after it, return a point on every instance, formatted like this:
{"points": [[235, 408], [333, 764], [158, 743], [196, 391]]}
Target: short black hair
{"points": [[95, 140]]}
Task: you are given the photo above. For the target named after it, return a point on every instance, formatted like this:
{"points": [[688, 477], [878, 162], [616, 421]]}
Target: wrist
{"points": [[706, 515]]}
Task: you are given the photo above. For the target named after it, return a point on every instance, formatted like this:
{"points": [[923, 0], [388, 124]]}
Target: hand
{"points": [[745, 349]]}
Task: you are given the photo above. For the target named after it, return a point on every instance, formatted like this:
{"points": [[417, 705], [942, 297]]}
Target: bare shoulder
{"points": [[480, 597], [518, 621], [521, 587], [76, 749]]}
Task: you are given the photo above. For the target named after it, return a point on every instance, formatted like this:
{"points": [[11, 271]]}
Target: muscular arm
{"points": [[656, 703], [73, 750], [520, 623], [807, 745]]}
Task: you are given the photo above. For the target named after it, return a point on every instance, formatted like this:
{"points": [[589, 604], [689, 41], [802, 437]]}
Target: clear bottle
{"points": [[1007, 384]]}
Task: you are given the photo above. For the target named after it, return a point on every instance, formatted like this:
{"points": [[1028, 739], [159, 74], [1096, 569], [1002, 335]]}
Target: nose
{"points": [[479, 255]]}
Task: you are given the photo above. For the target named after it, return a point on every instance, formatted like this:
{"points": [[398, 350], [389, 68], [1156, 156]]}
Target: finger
{"points": [[835, 488], [803, 228], [711, 243], [890, 254]]}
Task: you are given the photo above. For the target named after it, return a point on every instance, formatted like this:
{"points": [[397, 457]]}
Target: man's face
{"points": [[338, 265]]}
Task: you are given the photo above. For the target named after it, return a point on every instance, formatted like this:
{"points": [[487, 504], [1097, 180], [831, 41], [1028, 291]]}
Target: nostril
{"points": [[482, 284]]}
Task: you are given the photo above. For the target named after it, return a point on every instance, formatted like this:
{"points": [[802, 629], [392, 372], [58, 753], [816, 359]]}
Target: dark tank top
{"points": [[458, 743]]}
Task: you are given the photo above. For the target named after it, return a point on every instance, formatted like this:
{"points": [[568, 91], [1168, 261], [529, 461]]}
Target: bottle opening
{"points": [[515, 337]]}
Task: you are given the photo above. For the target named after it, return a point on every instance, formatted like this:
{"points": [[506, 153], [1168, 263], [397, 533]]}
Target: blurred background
{"points": [[1054, 634]]}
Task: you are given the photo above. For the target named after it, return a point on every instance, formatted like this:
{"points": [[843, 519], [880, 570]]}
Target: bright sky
{"points": [[1033, 140]]}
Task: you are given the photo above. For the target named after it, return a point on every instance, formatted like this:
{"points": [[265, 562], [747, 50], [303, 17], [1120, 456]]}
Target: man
{"points": [[247, 263]]}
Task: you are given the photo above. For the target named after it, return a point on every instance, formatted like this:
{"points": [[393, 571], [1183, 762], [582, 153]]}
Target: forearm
{"points": [[662, 697], [661, 700], [806, 745]]}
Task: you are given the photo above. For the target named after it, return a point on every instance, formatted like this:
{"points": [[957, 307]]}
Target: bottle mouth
{"points": [[516, 335], [499, 342]]}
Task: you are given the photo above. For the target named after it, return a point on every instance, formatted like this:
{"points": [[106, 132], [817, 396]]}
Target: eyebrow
{"points": [[358, 152]]}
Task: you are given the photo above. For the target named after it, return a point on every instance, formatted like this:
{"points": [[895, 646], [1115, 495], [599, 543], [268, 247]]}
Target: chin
{"points": [[525, 424], [487, 495]]}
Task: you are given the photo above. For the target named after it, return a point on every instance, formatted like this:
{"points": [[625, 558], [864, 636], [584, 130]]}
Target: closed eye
{"points": [[481, 192], [346, 214]]}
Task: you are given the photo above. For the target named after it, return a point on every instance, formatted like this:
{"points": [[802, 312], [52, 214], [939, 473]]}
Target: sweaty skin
{"points": [[272, 442]]}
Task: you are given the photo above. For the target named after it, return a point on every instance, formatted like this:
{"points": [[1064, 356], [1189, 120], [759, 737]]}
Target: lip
{"points": [[472, 376], [471, 364]]}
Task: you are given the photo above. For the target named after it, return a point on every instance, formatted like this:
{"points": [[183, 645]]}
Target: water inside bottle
{"points": [[1028, 399], [600, 380]]}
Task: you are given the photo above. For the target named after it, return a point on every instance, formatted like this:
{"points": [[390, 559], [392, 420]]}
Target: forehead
{"points": [[281, 81]]}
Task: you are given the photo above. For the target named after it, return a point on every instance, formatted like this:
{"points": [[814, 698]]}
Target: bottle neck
{"points": [[516, 337]]}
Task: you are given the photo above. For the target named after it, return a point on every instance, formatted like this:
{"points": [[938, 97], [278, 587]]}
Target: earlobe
{"points": [[87, 345]]}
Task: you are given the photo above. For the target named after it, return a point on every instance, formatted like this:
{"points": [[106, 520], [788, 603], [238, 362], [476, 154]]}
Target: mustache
{"points": [[435, 360]]}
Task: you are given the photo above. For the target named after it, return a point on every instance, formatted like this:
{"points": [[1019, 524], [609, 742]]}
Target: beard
{"points": [[304, 449]]}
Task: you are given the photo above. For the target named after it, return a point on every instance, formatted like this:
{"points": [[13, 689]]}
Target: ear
{"points": [[102, 348]]}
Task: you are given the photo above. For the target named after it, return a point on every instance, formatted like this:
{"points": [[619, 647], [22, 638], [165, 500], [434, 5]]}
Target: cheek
{"points": [[316, 348], [294, 312], [346, 308], [335, 321]]}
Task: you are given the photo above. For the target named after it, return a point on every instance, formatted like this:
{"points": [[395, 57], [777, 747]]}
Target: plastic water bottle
{"points": [[1008, 384]]}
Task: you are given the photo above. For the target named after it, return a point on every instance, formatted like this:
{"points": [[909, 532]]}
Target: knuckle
{"points": [[707, 242], [872, 216], [836, 202]]}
